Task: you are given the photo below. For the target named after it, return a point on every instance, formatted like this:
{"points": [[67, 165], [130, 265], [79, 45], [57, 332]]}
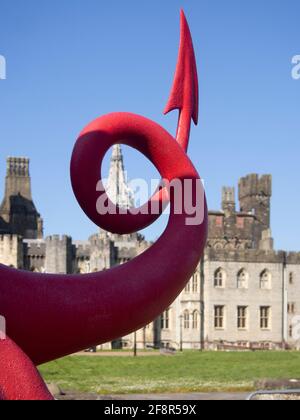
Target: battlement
{"points": [[35, 247], [9, 239], [255, 185], [253, 256], [99, 239], [82, 249], [293, 258], [59, 239], [17, 166]]}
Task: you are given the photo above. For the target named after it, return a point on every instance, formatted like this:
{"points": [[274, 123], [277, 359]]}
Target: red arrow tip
{"points": [[185, 90]]}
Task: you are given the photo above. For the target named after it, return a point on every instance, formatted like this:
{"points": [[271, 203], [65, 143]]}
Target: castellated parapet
{"points": [[34, 254], [253, 256], [293, 257], [254, 185]]}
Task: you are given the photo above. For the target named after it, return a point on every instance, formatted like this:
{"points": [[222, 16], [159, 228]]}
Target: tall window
{"points": [[186, 319], [242, 279], [195, 320], [265, 317], [195, 283], [165, 320], [291, 308], [188, 287], [265, 280], [291, 278], [219, 278], [242, 316], [219, 317]]}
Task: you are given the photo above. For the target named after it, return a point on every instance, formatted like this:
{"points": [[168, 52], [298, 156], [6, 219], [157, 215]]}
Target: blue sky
{"points": [[69, 61]]}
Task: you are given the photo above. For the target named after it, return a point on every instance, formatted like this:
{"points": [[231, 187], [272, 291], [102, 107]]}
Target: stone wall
{"points": [[11, 251]]}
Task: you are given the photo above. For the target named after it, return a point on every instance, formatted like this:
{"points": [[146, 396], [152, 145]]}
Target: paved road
{"points": [[192, 396], [159, 397]]}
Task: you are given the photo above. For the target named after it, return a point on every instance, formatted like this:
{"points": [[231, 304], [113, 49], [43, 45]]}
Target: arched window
{"points": [[186, 319], [219, 278], [195, 283], [195, 320], [242, 279], [265, 280]]}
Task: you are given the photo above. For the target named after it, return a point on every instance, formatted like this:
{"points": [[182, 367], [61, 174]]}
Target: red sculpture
{"points": [[51, 316]]}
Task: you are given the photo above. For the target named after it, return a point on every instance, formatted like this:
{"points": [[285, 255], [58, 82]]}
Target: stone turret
{"points": [[17, 177], [255, 197], [18, 212], [228, 200]]}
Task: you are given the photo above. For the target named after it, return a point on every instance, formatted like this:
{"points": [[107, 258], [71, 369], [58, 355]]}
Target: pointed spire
{"points": [[117, 155], [117, 186]]}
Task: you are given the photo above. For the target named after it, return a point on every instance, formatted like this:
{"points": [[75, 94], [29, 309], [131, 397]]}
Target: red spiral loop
{"points": [[147, 137]]}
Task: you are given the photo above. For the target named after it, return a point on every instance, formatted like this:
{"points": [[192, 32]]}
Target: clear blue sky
{"points": [[69, 61]]}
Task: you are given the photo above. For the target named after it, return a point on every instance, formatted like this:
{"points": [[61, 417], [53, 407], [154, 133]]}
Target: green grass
{"points": [[186, 372]]}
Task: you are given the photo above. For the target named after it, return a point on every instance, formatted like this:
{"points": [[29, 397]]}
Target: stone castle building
{"points": [[244, 294]]}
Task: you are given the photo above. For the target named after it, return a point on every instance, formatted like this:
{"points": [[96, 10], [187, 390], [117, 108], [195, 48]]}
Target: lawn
{"points": [[185, 372]]}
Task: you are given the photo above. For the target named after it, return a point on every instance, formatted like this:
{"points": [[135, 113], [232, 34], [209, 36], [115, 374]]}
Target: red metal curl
{"points": [[50, 316]]}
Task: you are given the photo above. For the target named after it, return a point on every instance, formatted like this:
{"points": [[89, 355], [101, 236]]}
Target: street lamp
{"points": [[135, 346], [181, 332]]}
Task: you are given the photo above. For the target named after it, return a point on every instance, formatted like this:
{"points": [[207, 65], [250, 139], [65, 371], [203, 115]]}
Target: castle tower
{"points": [[255, 197], [59, 254], [17, 210], [117, 187], [102, 252]]}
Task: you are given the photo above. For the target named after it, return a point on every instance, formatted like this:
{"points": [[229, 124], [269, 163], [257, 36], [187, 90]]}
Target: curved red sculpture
{"points": [[51, 316]]}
